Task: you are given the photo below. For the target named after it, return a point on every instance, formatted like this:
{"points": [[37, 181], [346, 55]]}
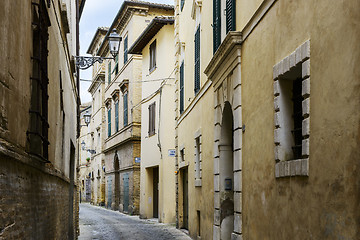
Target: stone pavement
{"points": [[103, 224]]}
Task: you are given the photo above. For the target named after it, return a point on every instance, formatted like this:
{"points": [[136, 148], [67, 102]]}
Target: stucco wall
{"points": [[325, 204]]}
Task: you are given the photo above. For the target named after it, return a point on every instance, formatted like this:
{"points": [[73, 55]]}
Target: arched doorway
{"points": [[116, 202], [226, 172]]}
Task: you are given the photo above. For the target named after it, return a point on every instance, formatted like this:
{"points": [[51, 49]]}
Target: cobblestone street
{"points": [[103, 224]]}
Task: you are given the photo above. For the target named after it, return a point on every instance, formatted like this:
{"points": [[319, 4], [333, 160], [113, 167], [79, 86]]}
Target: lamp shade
{"points": [[114, 43], [87, 118]]}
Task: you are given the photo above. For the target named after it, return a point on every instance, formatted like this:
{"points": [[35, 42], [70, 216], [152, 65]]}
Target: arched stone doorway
{"points": [[116, 201], [226, 173]]}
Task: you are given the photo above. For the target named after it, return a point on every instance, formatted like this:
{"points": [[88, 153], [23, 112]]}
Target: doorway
{"points": [[226, 171], [115, 203], [155, 192], [185, 198], [126, 192]]}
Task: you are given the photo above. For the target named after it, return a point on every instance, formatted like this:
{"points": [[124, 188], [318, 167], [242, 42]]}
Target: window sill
{"points": [[292, 168]]}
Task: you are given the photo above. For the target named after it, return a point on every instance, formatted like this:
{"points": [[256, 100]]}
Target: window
{"points": [[230, 15], [198, 159], [125, 50], [125, 109], [182, 154], [37, 133], [292, 113], [109, 122], [182, 88], [109, 72], [152, 56], [152, 119], [197, 61], [116, 68], [182, 2], [216, 24], [116, 116]]}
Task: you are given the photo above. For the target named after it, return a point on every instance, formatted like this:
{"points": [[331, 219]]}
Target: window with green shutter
{"points": [[109, 122], [151, 130], [197, 61], [182, 2], [230, 15], [116, 116], [109, 72], [125, 109], [116, 68], [125, 50], [182, 87], [216, 24]]}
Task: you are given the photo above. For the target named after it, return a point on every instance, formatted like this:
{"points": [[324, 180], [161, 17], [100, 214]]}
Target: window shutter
{"points": [[117, 116], [182, 4], [109, 122], [197, 61], [125, 50], [230, 15], [216, 24], [109, 72], [182, 87], [125, 109]]}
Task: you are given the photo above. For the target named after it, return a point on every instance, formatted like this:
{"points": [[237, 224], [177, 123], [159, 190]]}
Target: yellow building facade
{"points": [[157, 173]]}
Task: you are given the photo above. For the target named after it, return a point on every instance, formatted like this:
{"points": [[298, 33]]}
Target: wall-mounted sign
{"points": [[171, 152], [137, 160]]}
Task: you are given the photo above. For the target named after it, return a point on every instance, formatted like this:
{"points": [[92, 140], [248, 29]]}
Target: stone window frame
{"points": [[197, 158], [296, 167]]}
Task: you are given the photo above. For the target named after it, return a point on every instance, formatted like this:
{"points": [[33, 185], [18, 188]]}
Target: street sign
{"points": [[171, 152]]}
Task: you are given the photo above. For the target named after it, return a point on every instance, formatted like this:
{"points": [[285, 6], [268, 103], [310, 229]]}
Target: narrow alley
{"points": [[102, 224]]}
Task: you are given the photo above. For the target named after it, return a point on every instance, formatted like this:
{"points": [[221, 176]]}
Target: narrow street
{"points": [[103, 224]]}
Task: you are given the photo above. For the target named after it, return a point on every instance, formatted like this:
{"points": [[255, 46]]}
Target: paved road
{"points": [[103, 224]]}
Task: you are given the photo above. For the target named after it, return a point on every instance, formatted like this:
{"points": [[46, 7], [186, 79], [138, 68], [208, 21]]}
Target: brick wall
{"points": [[33, 204]]}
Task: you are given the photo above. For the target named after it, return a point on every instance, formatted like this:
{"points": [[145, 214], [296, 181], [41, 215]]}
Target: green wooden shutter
{"points": [[182, 2], [117, 116], [109, 122], [230, 15], [182, 87], [216, 24], [125, 50], [109, 72], [197, 61], [125, 109]]}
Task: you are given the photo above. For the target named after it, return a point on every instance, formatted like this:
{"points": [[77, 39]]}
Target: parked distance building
{"points": [[84, 156], [38, 119], [157, 175]]}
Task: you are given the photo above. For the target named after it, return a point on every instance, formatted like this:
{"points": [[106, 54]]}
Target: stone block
{"points": [[305, 167], [237, 181], [292, 60], [237, 75], [297, 167], [277, 136], [286, 65], [217, 217], [216, 166], [277, 170], [237, 160], [281, 169], [197, 182], [237, 202], [235, 236], [298, 57], [277, 103], [277, 119], [217, 200], [305, 50], [305, 89], [292, 168], [306, 127], [237, 222], [236, 97], [216, 232], [306, 107], [305, 147], [276, 71], [216, 149], [216, 183], [286, 168], [237, 139], [276, 88], [237, 118], [306, 69]]}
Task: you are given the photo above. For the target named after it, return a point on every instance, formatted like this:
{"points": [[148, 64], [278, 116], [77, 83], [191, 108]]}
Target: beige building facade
{"points": [[157, 173], [122, 92], [39, 98]]}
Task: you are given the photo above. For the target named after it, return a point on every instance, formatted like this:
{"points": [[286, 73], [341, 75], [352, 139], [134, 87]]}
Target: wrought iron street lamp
{"points": [[83, 62], [87, 118], [83, 147]]}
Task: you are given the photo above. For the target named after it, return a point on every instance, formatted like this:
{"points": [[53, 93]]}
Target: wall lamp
{"points": [[83, 147], [83, 62]]}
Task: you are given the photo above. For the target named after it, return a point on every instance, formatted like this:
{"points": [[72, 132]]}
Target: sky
{"points": [[97, 13]]}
